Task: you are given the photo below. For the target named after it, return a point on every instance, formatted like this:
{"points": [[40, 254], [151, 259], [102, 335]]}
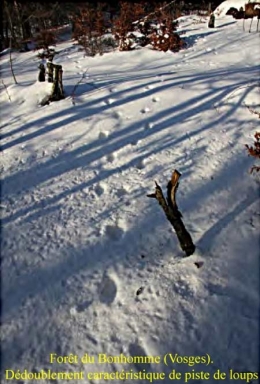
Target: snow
{"points": [[89, 263], [222, 9]]}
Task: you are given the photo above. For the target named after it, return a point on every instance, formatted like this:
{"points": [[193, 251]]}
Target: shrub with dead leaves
{"points": [[255, 151]]}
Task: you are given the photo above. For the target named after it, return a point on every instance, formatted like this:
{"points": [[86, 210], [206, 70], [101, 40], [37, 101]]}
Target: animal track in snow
{"points": [[122, 191], [114, 232], [104, 126], [118, 114], [113, 90], [156, 99], [149, 87], [111, 157], [80, 307], [100, 189], [187, 288], [110, 101], [103, 135], [149, 125], [108, 290], [137, 350], [145, 110], [141, 164], [136, 142], [83, 306]]}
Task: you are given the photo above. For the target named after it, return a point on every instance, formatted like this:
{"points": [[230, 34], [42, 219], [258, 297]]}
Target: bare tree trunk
{"points": [[209, 8], [10, 23], [57, 89], [251, 24], [10, 40], [27, 32], [11, 60], [2, 38], [18, 18], [6, 35]]}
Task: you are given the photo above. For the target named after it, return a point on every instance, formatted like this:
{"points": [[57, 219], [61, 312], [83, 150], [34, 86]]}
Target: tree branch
{"points": [[172, 212], [6, 90]]}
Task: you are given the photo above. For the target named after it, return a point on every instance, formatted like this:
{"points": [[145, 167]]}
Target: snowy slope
{"points": [[222, 9], [80, 237]]}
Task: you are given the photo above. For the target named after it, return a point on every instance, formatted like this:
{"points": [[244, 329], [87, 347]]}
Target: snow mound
{"points": [[222, 9], [32, 94]]}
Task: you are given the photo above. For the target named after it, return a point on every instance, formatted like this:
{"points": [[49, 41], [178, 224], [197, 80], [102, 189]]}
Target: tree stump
{"points": [[172, 212], [211, 23], [50, 67], [57, 88], [41, 76]]}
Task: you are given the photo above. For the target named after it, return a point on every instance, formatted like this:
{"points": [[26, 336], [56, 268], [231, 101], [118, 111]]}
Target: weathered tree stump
{"points": [[211, 23], [57, 88], [50, 67], [173, 214], [41, 76]]}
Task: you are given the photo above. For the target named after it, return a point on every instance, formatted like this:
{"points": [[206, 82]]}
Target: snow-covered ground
{"points": [[222, 9], [80, 237]]}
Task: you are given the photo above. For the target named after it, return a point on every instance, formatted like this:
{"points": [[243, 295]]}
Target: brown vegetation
{"points": [[89, 28], [251, 10], [255, 151]]}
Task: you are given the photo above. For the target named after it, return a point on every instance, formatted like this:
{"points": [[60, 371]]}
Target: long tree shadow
{"points": [[48, 288], [203, 102], [94, 151], [195, 196], [171, 82], [46, 292], [209, 236]]}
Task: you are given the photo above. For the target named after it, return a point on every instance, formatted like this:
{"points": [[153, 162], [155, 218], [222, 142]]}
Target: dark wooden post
{"points": [[60, 84], [41, 76], [50, 71], [173, 214], [57, 89], [212, 21]]}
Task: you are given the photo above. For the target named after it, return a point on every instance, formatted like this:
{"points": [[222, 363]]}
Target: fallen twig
{"points": [[6, 90], [172, 212], [76, 86], [78, 83], [253, 111]]}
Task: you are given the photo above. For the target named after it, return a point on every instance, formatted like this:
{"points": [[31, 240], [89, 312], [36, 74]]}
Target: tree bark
{"points": [[41, 76], [57, 89], [11, 60], [173, 214], [50, 67], [211, 23]]}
